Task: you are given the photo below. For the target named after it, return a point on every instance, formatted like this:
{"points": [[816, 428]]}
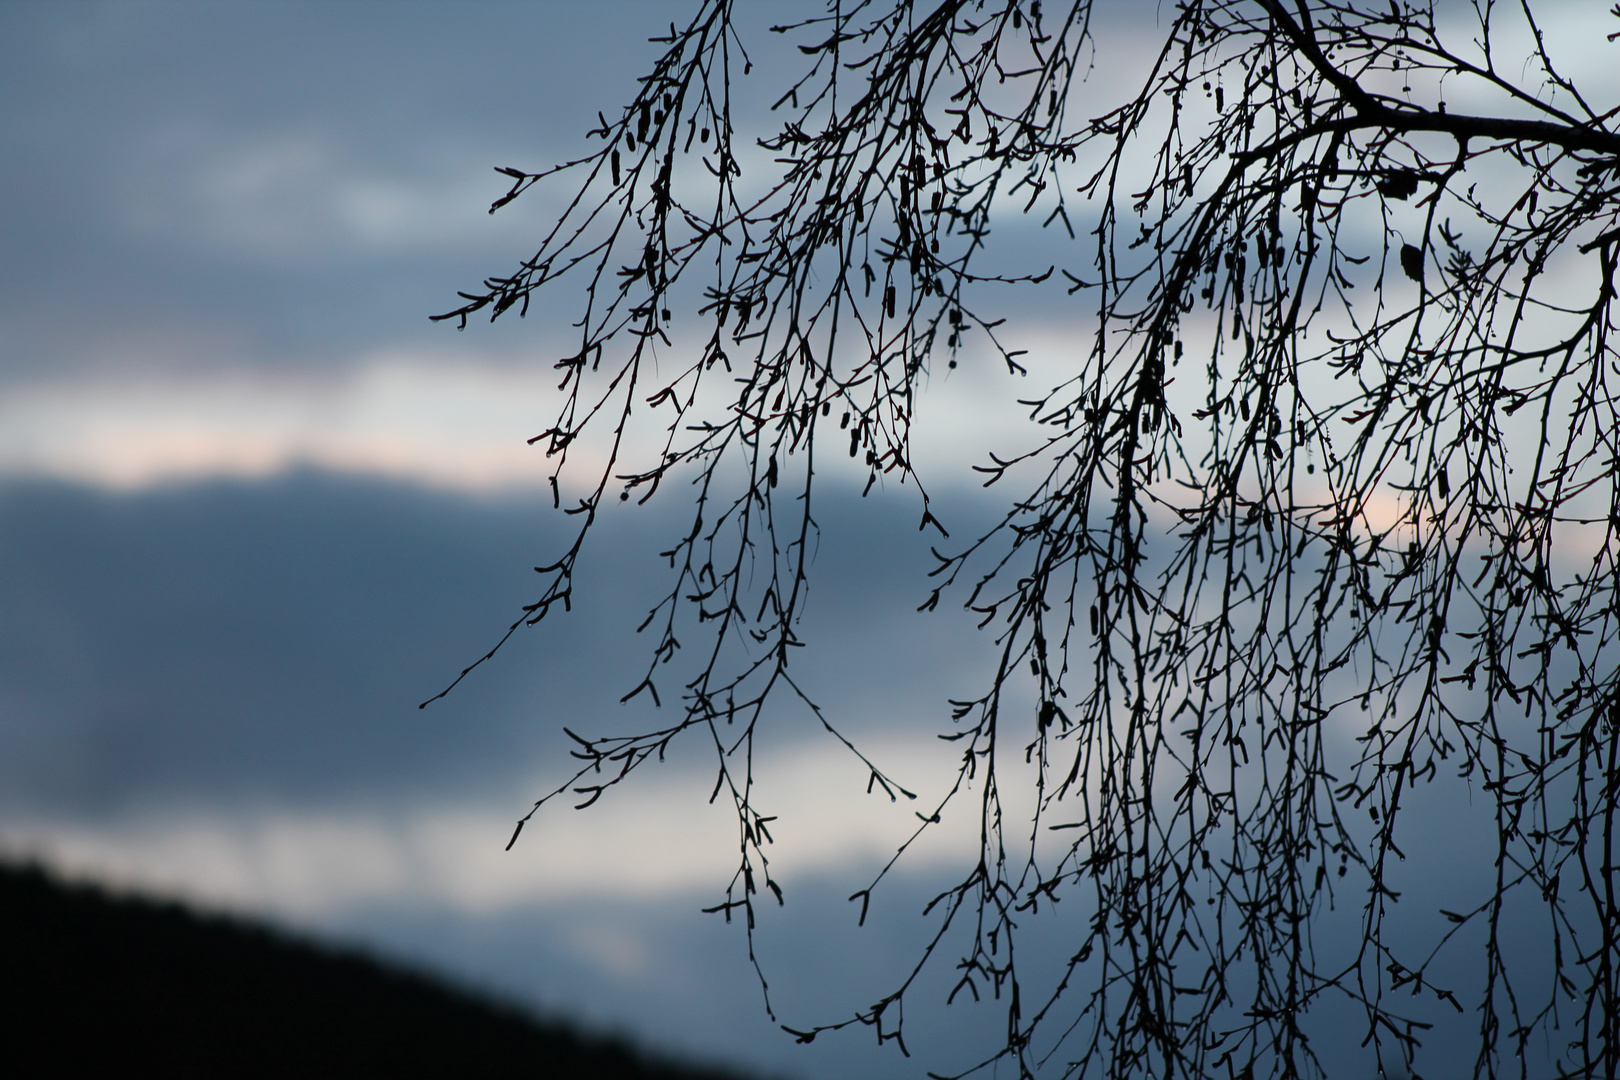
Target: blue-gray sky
{"points": [[254, 507]]}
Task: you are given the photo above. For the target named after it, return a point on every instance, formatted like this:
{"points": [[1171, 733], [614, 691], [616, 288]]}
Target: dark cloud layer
{"points": [[223, 639], [147, 141], [273, 639]]}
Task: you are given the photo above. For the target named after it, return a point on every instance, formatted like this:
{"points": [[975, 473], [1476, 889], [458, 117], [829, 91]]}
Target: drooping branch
{"points": [[1339, 458]]}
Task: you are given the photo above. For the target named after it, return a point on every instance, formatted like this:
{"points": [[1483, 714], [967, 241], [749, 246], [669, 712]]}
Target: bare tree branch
{"points": [[1325, 517]]}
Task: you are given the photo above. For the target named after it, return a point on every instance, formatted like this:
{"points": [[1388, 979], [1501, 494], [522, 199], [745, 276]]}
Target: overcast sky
{"points": [[254, 507]]}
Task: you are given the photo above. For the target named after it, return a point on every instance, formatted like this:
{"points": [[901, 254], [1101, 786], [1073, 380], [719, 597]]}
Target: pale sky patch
{"points": [[655, 835]]}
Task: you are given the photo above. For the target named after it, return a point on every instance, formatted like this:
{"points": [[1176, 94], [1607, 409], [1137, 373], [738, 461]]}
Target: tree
{"points": [[1323, 519]]}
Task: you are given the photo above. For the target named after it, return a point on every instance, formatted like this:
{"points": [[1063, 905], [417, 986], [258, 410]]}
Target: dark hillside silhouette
{"points": [[94, 981]]}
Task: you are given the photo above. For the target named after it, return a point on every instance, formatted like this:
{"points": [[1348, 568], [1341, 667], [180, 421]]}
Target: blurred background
{"points": [[254, 507]]}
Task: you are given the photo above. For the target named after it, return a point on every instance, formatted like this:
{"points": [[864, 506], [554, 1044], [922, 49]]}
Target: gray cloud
{"points": [[272, 640], [198, 173]]}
